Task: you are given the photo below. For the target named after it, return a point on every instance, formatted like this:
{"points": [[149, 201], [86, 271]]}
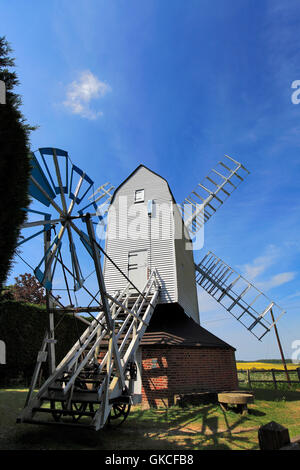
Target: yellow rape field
{"points": [[263, 365]]}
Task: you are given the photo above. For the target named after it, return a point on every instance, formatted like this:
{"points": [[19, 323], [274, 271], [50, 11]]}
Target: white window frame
{"points": [[139, 198]]}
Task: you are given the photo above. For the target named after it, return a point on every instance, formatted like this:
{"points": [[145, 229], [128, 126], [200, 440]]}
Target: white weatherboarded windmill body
{"points": [[144, 291], [145, 230]]}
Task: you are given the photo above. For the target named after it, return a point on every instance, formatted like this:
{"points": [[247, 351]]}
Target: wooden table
{"points": [[239, 400]]}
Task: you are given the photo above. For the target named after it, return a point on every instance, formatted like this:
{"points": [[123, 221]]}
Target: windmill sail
{"points": [[104, 194], [237, 295], [209, 195]]}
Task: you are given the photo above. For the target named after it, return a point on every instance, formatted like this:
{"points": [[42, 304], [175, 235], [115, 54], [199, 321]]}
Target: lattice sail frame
{"points": [[245, 302], [212, 192]]}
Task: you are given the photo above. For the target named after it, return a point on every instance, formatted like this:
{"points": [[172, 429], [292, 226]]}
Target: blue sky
{"points": [[175, 86]]}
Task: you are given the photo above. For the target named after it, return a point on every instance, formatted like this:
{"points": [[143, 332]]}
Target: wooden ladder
{"points": [[96, 374]]}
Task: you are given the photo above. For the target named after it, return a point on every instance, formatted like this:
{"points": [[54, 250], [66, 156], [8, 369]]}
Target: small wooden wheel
{"points": [[118, 413]]}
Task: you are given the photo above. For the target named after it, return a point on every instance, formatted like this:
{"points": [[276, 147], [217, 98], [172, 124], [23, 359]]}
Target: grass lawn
{"points": [[191, 428]]}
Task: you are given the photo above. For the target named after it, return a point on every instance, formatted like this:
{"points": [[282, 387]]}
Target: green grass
{"points": [[191, 428]]}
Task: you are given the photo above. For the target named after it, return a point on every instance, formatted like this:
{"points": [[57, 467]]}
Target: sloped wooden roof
{"points": [[170, 326], [131, 174]]}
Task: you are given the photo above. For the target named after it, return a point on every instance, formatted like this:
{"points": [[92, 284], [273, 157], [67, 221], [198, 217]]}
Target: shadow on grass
{"points": [[253, 412], [112, 440], [202, 427]]}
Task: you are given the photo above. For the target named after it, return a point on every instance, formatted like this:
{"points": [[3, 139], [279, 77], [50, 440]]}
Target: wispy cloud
{"points": [[260, 264], [295, 295], [81, 92], [276, 280]]}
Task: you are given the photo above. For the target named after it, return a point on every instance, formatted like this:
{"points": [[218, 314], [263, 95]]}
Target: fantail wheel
{"points": [[68, 193]]}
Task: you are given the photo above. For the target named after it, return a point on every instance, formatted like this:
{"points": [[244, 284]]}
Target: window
{"points": [[139, 195]]}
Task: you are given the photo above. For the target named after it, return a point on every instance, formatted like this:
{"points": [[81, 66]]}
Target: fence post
{"points": [[249, 379], [274, 378]]}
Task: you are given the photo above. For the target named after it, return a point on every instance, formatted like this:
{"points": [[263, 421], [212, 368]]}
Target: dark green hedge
{"points": [[14, 162], [22, 328]]}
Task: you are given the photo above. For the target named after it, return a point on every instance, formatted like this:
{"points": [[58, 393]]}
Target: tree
{"points": [[28, 289], [14, 163]]}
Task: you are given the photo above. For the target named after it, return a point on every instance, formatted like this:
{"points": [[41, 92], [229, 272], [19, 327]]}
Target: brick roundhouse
{"points": [[178, 356]]}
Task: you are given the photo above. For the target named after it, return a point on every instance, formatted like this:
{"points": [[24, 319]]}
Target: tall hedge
{"points": [[14, 162], [22, 329]]}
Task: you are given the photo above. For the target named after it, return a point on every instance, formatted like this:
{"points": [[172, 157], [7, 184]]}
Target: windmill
{"points": [[140, 268]]}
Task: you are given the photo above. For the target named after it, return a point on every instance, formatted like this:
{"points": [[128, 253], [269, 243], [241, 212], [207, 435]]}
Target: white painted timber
{"points": [[139, 226]]}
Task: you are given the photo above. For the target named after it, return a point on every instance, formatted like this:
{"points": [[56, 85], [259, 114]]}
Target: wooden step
{"points": [[76, 390], [77, 398], [82, 379], [64, 412]]}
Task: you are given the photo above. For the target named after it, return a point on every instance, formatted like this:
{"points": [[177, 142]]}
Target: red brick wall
{"points": [[170, 371]]}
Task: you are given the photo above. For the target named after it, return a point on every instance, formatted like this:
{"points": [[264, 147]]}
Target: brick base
{"points": [[169, 371]]}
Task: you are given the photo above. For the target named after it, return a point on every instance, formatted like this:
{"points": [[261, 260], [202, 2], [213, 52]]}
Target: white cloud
{"points": [[82, 91], [260, 264], [277, 280]]}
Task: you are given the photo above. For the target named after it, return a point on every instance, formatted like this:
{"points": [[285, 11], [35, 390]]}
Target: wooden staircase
{"points": [[93, 384]]}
